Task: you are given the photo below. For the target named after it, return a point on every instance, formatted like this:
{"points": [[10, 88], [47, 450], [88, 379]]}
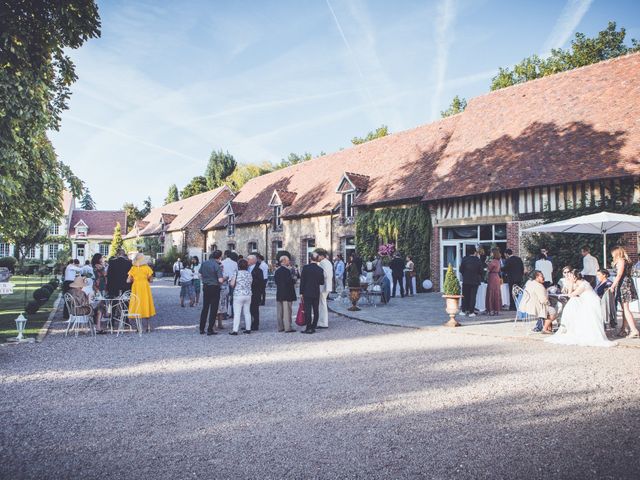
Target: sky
{"points": [[168, 82]]}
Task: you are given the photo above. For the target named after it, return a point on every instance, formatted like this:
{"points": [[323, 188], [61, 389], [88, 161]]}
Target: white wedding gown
{"points": [[582, 321]]}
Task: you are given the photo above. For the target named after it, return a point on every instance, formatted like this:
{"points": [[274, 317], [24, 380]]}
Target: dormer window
{"points": [[82, 229], [277, 218], [351, 185], [347, 204], [231, 225]]}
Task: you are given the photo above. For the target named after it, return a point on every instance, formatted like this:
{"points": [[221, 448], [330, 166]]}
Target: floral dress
{"points": [[626, 290], [100, 276]]}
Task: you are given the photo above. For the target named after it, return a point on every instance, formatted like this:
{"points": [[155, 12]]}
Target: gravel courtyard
{"points": [[356, 401]]}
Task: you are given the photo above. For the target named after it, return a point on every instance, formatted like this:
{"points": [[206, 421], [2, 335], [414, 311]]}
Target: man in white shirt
{"points": [[544, 265], [327, 268], [590, 266], [229, 270], [177, 266], [265, 274]]}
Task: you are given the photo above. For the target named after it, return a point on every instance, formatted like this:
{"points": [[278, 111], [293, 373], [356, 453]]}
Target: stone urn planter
{"points": [[451, 295], [354, 296], [452, 307]]}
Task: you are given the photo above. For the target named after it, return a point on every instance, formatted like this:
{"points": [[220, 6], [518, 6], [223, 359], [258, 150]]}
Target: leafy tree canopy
{"points": [[609, 43], [221, 165], [172, 195], [379, 132], [146, 207], [194, 187], [35, 79], [86, 202], [245, 172], [458, 105]]}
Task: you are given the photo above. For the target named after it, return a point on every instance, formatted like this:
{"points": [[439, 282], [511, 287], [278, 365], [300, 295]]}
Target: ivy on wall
{"points": [[408, 228]]}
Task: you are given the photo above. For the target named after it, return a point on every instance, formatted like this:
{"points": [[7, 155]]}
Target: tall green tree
{"points": [[458, 104], [133, 214], [379, 132], [172, 195], [194, 187], [221, 165], [609, 43], [146, 207], [116, 241], [293, 159], [86, 202], [35, 80]]}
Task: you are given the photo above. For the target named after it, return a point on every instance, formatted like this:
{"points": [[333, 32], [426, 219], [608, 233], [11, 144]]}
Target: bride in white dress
{"points": [[581, 318]]}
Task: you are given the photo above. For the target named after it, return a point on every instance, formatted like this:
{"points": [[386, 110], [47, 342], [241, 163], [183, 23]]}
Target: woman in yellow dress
{"points": [[140, 277]]}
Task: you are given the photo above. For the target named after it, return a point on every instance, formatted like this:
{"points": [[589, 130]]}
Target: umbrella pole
{"points": [[604, 250]]}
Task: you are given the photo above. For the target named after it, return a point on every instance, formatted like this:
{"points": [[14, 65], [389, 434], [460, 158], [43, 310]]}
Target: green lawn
{"points": [[13, 305]]}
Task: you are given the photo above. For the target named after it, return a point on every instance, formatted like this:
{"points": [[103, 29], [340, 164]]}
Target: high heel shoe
{"points": [[634, 335]]}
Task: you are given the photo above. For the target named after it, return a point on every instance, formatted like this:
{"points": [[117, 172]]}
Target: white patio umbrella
{"points": [[601, 223]]}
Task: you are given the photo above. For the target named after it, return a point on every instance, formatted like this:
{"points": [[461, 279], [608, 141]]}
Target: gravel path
{"points": [[356, 401]]}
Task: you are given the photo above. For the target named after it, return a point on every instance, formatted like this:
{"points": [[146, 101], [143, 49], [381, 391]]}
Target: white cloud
{"points": [[570, 18]]}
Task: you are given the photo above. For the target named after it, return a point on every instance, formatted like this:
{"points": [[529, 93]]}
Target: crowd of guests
{"points": [[593, 294], [92, 284]]}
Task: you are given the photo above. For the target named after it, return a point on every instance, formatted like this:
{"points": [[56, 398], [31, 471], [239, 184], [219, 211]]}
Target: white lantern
{"points": [[21, 322], [427, 284]]}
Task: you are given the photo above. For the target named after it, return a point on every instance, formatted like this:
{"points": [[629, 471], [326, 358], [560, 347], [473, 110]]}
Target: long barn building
{"points": [[485, 174]]}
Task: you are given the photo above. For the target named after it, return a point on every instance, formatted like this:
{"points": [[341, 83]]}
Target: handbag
{"points": [[300, 320]]}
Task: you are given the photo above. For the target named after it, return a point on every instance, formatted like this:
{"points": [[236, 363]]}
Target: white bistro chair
{"points": [[127, 301], [77, 321], [520, 294]]}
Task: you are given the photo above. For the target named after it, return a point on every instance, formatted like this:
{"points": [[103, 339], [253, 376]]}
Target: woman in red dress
{"points": [[494, 297]]}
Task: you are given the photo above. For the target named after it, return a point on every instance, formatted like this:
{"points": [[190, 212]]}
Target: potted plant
{"points": [[353, 281], [451, 294]]}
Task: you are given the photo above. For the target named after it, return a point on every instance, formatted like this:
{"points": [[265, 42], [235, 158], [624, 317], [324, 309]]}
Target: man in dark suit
{"points": [[257, 282], [285, 295], [471, 271], [397, 273], [514, 270], [311, 278], [117, 274]]}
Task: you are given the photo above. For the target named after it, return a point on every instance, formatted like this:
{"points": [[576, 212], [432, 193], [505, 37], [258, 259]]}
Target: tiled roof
{"points": [[578, 125], [176, 215], [315, 181], [100, 222], [360, 182], [286, 197]]}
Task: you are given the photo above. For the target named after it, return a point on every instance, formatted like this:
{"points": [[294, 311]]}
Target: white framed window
{"points": [[347, 203], [5, 249], [349, 246], [30, 253], [80, 250], [54, 229], [52, 250], [104, 249], [311, 246], [277, 217], [230, 246], [252, 247], [231, 225], [81, 231]]}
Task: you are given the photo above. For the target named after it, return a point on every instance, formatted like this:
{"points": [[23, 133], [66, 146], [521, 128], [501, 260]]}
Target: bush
{"points": [[32, 307], [41, 294], [451, 285], [8, 262]]}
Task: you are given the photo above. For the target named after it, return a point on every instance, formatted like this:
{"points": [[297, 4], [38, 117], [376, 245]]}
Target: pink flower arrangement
{"points": [[386, 249]]}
